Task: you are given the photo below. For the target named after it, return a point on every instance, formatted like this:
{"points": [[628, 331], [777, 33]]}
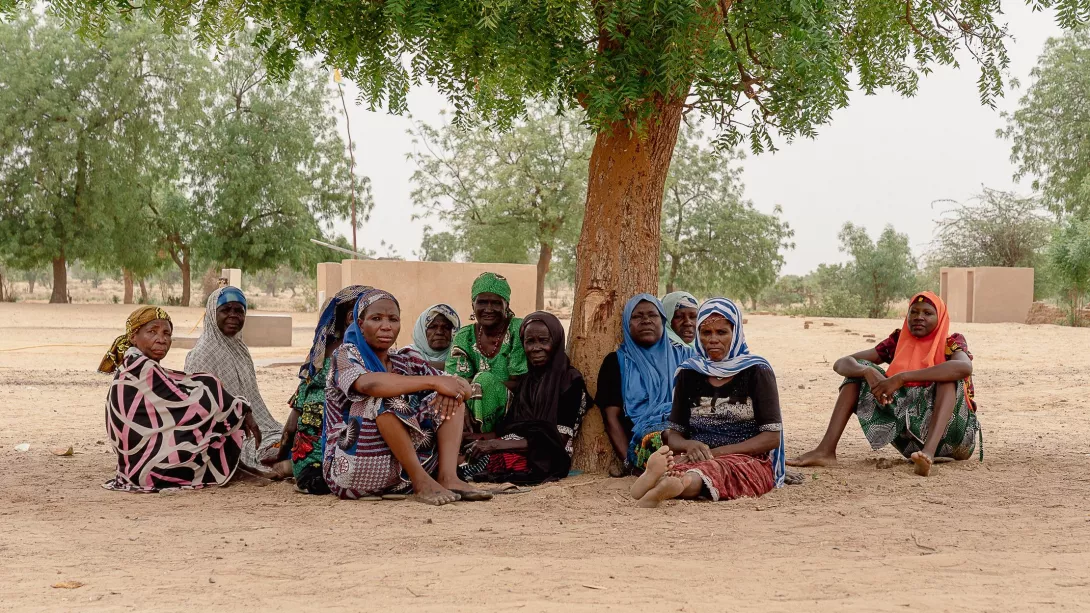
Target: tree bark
{"points": [[618, 252], [60, 280], [544, 260], [186, 278], [128, 286], [143, 292], [671, 280], [31, 280]]}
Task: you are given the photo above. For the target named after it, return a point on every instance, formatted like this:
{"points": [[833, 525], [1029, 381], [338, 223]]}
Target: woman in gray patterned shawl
{"points": [[221, 352]]}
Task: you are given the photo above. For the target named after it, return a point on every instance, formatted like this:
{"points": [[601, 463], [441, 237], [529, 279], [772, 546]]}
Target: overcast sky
{"points": [[882, 160]]}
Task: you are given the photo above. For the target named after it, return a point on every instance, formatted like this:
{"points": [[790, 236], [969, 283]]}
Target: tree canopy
{"points": [[1049, 129], [713, 241]]}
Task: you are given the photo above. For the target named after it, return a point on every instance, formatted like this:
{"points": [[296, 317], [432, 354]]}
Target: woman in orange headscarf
{"points": [[922, 404]]}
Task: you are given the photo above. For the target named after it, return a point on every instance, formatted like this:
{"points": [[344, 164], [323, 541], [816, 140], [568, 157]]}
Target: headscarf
{"points": [[228, 358], [231, 293], [354, 335], [539, 390], [327, 325], [738, 358], [420, 331], [138, 318], [671, 303], [492, 283], [918, 353], [647, 373]]}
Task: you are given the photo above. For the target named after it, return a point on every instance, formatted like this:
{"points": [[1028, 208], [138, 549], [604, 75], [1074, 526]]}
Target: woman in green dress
{"points": [[488, 353], [303, 431]]}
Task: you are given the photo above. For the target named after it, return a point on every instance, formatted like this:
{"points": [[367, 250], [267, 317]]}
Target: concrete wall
{"points": [[418, 285], [987, 294], [263, 330], [329, 281]]}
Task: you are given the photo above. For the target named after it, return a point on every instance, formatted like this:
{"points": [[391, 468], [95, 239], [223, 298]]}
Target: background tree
{"points": [[1069, 262], [713, 242], [504, 196], [635, 67], [1049, 129], [76, 123], [879, 271]]}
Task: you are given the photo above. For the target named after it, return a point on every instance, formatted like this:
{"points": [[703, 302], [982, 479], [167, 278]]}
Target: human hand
{"points": [[249, 426], [695, 451], [873, 377], [883, 392], [446, 406], [481, 447], [454, 387]]}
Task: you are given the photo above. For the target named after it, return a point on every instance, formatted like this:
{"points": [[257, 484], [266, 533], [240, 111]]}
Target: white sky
{"points": [[884, 159]]}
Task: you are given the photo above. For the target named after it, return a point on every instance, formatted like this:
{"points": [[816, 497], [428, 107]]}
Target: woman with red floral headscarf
{"points": [[923, 404]]}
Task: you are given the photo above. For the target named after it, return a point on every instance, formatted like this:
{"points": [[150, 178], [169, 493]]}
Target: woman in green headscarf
{"points": [[488, 353]]}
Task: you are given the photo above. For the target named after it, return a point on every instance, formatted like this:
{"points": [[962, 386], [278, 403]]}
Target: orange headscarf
{"points": [[918, 353]]}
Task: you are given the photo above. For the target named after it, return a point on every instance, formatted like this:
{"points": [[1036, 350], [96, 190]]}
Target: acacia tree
{"points": [[995, 228], [1048, 130], [634, 67], [505, 195], [77, 121], [880, 271], [713, 242]]}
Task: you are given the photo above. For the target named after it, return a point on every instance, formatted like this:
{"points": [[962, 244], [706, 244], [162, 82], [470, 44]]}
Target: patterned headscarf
{"points": [[491, 283], [420, 331], [354, 335], [138, 318], [671, 303], [738, 358], [327, 325]]}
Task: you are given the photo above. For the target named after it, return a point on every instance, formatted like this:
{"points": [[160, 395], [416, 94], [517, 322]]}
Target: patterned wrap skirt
{"points": [[905, 422], [732, 476]]}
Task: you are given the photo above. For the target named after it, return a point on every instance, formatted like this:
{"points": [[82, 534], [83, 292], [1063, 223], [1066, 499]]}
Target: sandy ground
{"points": [[1011, 534]]}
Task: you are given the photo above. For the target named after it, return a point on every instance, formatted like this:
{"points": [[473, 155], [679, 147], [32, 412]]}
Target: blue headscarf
{"points": [[738, 358], [354, 335], [231, 294], [647, 375], [327, 326]]}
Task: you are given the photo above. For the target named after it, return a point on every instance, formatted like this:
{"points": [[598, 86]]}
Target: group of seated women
{"points": [[687, 407]]}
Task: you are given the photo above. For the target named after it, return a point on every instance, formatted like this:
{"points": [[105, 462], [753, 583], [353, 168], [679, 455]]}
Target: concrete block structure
{"points": [[419, 285], [987, 294], [267, 330], [329, 281], [233, 276]]}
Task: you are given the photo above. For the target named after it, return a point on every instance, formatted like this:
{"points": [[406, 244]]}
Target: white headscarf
{"points": [[420, 331]]}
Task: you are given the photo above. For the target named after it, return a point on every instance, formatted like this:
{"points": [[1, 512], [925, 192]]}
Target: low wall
{"points": [[987, 294], [418, 285]]}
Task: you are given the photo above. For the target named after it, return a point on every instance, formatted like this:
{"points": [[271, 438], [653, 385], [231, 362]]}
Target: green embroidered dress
{"points": [[491, 374]]}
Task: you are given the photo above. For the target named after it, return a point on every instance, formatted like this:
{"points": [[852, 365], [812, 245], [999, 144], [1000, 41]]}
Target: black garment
{"points": [[610, 392], [548, 446], [727, 415]]}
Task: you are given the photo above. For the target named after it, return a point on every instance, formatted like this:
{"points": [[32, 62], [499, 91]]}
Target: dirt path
{"points": [[1011, 534]]}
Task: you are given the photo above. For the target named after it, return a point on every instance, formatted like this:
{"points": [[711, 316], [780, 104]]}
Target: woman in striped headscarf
{"points": [[724, 438]]}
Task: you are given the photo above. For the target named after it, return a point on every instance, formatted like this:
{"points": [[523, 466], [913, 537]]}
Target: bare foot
{"points": [[283, 469], [814, 458], [665, 489], [434, 494], [923, 463], [465, 491], [657, 465]]}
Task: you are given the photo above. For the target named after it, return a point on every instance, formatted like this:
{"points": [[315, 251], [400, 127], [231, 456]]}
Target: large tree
{"points": [[713, 241], [1050, 127], [635, 67], [504, 196], [880, 271], [995, 228], [77, 122]]}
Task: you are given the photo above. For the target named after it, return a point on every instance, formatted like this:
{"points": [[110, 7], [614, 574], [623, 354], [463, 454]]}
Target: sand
{"points": [[1011, 534]]}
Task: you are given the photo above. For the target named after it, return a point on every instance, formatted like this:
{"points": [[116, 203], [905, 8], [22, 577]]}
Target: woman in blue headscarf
{"points": [[636, 382], [393, 423], [303, 430], [724, 427]]}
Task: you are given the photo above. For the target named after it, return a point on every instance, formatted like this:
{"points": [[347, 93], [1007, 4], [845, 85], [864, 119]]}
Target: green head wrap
{"points": [[491, 283]]}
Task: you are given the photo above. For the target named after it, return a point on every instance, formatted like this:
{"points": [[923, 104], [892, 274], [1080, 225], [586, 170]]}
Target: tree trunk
{"points": [[618, 252], [544, 259], [2, 288], [31, 280], [143, 292], [186, 278], [128, 285], [60, 281], [671, 280]]}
